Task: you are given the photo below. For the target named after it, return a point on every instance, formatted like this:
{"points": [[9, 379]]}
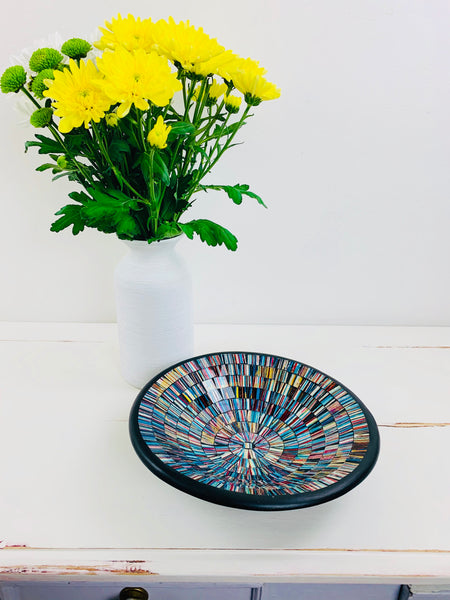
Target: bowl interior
{"points": [[254, 424]]}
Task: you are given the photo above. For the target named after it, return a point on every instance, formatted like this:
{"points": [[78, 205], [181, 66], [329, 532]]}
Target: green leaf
{"points": [[46, 166], [72, 216], [179, 128], [160, 168], [220, 131], [30, 145], [46, 145], [167, 230], [127, 227], [112, 197], [74, 176], [209, 232], [217, 132], [80, 197], [235, 192], [198, 149], [168, 205], [220, 117], [76, 139], [64, 174], [49, 145], [233, 128], [111, 211], [117, 149], [183, 184]]}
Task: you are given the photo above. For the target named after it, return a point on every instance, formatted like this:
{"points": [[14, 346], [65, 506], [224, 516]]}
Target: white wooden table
{"points": [[77, 503]]}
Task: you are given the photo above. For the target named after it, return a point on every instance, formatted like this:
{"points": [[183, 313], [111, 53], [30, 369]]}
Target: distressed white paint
{"points": [[71, 480], [208, 565]]}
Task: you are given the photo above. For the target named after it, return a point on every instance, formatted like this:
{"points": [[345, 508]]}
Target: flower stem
{"points": [[210, 164], [59, 139], [141, 128], [154, 205], [120, 178], [201, 100], [30, 97]]}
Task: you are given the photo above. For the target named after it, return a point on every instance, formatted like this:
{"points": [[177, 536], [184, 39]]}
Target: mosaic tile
{"points": [[251, 430]]}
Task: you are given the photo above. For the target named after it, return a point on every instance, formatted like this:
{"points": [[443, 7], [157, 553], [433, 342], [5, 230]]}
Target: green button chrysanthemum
{"points": [[45, 58], [76, 48], [38, 86], [41, 117], [61, 161], [13, 79]]}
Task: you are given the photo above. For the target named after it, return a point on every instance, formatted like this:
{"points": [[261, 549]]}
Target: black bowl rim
{"points": [[252, 501]]}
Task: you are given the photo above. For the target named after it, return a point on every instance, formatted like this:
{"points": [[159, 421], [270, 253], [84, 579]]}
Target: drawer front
{"points": [[111, 591], [328, 591]]}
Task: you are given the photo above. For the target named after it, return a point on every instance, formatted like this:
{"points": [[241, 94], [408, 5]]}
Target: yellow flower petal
{"points": [[157, 136], [124, 109], [129, 33], [135, 77], [76, 95], [184, 44], [248, 77]]}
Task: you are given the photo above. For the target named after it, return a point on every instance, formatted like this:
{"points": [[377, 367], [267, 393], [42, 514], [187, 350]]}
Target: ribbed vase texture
{"points": [[154, 309]]}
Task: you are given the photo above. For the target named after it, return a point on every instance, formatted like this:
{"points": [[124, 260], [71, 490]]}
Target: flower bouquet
{"points": [[139, 121]]}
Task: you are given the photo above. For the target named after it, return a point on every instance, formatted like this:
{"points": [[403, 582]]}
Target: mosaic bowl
{"points": [[253, 431]]}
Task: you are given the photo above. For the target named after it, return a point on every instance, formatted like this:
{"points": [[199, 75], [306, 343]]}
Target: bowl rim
{"points": [[252, 501]]}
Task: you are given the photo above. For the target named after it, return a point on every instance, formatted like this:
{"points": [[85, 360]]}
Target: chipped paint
{"points": [[121, 568], [231, 565], [47, 341], [228, 550]]}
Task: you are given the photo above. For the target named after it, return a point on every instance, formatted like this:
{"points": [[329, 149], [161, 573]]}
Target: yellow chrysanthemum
{"points": [[247, 77], [216, 90], [184, 44], [136, 77], [157, 136], [112, 119], [232, 103], [129, 33], [216, 65], [235, 64], [77, 96]]}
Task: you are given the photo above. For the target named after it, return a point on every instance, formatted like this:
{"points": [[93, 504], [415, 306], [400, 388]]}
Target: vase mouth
{"points": [[153, 244]]}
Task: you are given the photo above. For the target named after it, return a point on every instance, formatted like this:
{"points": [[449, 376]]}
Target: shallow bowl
{"points": [[253, 431]]}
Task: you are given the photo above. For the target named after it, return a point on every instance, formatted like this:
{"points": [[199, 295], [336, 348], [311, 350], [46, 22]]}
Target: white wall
{"points": [[352, 161]]}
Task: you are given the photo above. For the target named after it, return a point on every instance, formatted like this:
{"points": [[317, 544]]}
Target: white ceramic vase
{"points": [[154, 309]]}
